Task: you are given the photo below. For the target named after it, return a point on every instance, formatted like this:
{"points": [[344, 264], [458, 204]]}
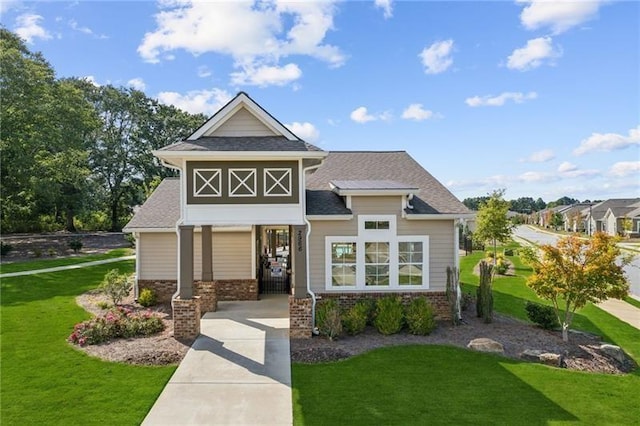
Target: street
{"points": [[531, 234]]}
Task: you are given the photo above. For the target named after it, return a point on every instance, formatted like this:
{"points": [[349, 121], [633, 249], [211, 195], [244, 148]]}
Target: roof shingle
{"points": [[242, 143]]}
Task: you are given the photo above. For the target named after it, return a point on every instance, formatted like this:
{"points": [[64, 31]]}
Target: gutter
{"points": [[177, 229]]}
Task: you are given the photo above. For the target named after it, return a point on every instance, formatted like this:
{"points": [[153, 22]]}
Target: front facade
{"points": [[256, 210]]}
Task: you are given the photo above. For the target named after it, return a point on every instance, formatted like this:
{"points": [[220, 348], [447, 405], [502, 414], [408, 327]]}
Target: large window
{"points": [[377, 258], [410, 261], [376, 263], [343, 264]]}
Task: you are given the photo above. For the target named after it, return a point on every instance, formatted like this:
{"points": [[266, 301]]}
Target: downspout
{"points": [[136, 289], [178, 223], [456, 256], [308, 278]]}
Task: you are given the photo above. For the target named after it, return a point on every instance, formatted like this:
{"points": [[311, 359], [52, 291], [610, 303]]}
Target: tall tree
{"points": [[492, 222], [576, 272]]}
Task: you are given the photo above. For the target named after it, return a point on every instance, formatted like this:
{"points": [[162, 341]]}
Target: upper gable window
{"points": [[207, 183], [277, 182], [242, 182], [376, 224]]}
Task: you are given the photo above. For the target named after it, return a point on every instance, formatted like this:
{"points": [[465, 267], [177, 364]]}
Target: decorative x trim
{"points": [[242, 182], [275, 186], [206, 183]]}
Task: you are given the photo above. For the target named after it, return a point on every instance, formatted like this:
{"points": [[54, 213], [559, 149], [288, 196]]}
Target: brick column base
{"points": [[300, 320], [186, 318], [206, 290]]}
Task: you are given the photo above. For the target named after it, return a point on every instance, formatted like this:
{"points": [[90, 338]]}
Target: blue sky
{"points": [[540, 98]]}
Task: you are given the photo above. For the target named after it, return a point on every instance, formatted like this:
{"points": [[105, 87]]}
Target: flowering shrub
{"points": [[116, 323]]}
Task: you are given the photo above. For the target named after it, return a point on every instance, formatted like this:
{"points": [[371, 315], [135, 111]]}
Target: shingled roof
{"points": [[431, 196], [242, 143], [599, 210], [161, 210]]}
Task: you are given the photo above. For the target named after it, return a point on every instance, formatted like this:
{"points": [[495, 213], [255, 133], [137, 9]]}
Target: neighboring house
{"points": [[546, 215], [596, 214], [574, 218], [615, 217], [256, 209]]}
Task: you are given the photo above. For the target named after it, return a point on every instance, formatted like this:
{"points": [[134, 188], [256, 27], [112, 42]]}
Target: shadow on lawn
{"points": [[30, 288], [419, 385]]}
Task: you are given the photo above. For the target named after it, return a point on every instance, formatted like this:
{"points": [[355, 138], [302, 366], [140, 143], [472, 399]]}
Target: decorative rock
{"points": [[531, 355], [614, 352], [554, 360], [484, 344]]}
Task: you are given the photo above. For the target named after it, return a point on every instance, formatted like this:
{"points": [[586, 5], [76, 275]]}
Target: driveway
{"points": [[238, 371]]}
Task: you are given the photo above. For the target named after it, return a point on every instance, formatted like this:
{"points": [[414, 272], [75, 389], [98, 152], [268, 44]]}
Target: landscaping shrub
{"points": [[37, 252], [354, 319], [328, 318], [484, 294], [544, 316], [501, 267], [5, 248], [508, 252], [419, 317], [147, 297], [103, 305], [489, 255], [116, 285], [75, 245], [389, 315], [117, 323]]}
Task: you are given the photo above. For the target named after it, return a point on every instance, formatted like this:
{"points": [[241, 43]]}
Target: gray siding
{"points": [[440, 232], [243, 123]]}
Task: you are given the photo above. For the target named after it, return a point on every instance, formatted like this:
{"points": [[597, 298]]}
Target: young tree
{"points": [[492, 222], [557, 221], [576, 272]]}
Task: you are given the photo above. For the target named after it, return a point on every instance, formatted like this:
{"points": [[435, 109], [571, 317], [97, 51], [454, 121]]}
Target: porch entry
{"points": [[274, 260]]}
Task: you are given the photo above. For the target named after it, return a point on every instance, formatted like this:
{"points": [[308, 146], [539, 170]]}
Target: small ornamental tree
{"points": [[576, 272], [492, 222]]}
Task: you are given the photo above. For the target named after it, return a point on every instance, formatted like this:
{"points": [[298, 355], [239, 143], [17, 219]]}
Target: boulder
{"points": [[484, 344], [614, 352], [554, 360], [531, 355]]}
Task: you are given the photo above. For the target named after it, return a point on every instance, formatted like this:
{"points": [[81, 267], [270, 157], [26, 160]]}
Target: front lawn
{"points": [[446, 385], [33, 265], [417, 385], [46, 381]]}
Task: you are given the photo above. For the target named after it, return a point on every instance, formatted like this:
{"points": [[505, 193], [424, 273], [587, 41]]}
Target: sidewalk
{"points": [[622, 310], [66, 267]]}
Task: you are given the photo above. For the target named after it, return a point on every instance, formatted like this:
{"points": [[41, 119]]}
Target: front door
{"points": [[274, 273]]}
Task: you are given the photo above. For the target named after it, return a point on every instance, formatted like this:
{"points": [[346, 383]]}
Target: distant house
{"points": [[620, 207], [615, 217], [574, 218], [258, 210], [546, 215]]}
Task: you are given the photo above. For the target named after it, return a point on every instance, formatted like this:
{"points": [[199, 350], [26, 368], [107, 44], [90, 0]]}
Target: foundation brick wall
{"points": [[229, 290], [186, 318], [163, 289], [206, 290], [300, 326], [438, 300]]}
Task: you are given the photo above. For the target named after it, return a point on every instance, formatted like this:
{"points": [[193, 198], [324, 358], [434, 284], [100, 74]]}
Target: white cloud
{"points": [[437, 57], [305, 131], [537, 177], [558, 15], [28, 27], [361, 115], [91, 79], [416, 112], [566, 166], [625, 168], [608, 141], [196, 101], [256, 34], [386, 6], [84, 30], [540, 156], [137, 83], [266, 75], [204, 71], [6, 5], [501, 99], [536, 52]]}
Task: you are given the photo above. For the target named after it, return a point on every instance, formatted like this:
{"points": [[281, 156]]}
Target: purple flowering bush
{"points": [[119, 322]]}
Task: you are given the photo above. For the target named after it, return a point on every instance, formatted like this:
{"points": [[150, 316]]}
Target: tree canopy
{"points": [[492, 221]]}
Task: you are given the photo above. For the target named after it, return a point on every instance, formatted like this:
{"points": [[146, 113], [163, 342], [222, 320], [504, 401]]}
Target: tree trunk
{"points": [[71, 227], [114, 216], [565, 332]]}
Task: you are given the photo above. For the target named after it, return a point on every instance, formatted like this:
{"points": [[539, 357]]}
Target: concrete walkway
{"points": [[238, 372], [67, 267], [622, 310]]}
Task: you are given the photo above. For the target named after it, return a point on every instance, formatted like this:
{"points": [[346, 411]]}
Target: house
{"points": [[574, 218], [546, 216], [619, 208], [614, 219], [256, 210]]}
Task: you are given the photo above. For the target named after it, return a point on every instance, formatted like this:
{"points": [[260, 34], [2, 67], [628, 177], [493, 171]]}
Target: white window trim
{"points": [[218, 190], [377, 233], [278, 183], [242, 182], [393, 241]]}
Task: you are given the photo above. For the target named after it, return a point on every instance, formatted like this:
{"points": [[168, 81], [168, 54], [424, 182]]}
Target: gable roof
{"points": [[430, 196], [599, 210], [161, 211], [242, 143]]}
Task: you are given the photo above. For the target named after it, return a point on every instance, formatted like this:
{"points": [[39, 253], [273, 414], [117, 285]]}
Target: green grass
{"points": [[630, 300], [44, 380], [32, 265], [446, 385], [416, 385]]}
